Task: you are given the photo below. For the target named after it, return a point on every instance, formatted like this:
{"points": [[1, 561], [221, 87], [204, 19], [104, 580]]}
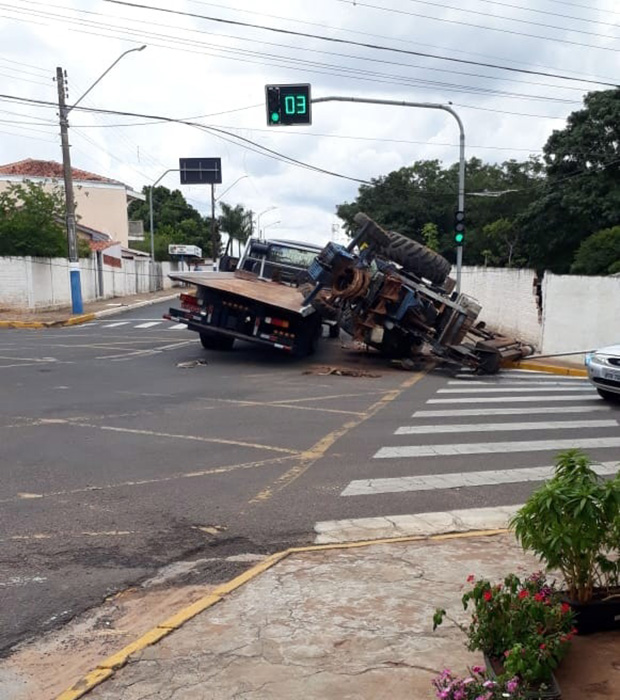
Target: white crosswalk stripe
{"points": [[493, 427], [431, 482], [117, 324], [177, 327], [515, 399], [523, 383], [512, 411], [481, 448], [149, 324], [513, 390]]}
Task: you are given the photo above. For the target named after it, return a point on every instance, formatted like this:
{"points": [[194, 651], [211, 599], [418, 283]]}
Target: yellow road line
{"points": [[318, 450], [109, 666]]}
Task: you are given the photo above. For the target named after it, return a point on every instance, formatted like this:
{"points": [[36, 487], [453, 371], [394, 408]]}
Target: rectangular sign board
{"points": [[288, 104], [190, 250], [200, 171]]}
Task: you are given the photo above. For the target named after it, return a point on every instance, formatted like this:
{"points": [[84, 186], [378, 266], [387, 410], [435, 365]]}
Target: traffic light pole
{"points": [[425, 105]]}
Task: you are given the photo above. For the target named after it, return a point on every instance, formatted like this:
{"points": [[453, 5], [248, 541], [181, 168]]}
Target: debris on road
{"points": [[191, 364], [341, 372]]}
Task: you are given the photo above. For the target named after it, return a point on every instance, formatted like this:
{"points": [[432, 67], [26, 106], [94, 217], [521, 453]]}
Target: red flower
{"points": [[523, 594], [565, 608], [574, 630], [542, 646], [471, 578], [539, 597], [487, 596]]}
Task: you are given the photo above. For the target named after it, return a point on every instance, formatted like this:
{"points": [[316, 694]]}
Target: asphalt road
{"points": [[126, 446]]}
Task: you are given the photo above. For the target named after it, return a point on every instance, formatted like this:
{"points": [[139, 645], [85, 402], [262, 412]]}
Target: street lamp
{"points": [[230, 188], [273, 223], [77, 306], [259, 216]]}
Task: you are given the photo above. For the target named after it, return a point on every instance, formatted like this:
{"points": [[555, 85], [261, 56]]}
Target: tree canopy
{"points": [[174, 221], [31, 221], [535, 213]]}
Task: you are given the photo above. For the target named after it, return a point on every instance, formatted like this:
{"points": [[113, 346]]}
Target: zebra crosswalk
{"points": [[481, 441]]}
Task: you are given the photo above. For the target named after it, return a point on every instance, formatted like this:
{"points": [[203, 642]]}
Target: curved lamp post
{"points": [[77, 306]]}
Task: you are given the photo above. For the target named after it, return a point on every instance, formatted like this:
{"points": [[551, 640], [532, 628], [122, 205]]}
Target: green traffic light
{"points": [[275, 117], [459, 237]]}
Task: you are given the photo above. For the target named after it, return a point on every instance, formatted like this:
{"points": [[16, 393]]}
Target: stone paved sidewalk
{"points": [[346, 624]]}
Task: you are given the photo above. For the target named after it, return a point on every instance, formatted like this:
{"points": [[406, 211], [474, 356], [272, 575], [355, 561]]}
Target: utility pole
{"points": [[213, 232], [74, 261]]}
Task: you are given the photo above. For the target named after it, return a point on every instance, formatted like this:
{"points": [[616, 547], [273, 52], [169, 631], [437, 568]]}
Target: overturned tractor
{"points": [[395, 296]]}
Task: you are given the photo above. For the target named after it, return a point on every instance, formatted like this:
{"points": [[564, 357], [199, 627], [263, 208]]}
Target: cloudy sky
{"points": [[209, 62]]}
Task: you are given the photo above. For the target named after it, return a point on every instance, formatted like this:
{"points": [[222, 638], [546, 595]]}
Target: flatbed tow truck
{"points": [[260, 302]]}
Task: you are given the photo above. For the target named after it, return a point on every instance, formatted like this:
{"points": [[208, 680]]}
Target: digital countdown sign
{"points": [[288, 104]]}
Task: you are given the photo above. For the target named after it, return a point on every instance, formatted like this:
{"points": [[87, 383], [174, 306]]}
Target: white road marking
{"points": [[515, 399], [117, 324], [510, 390], [516, 376], [456, 412], [491, 427], [432, 482], [512, 382], [148, 325], [480, 448], [177, 327], [422, 524]]}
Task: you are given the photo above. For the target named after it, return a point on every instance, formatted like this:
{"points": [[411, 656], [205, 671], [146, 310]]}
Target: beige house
{"points": [[101, 203]]}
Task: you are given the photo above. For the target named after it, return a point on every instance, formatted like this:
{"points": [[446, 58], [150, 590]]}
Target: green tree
{"points": [[30, 219], [408, 199], [581, 194], [599, 254], [503, 239], [173, 218], [430, 235], [236, 222]]}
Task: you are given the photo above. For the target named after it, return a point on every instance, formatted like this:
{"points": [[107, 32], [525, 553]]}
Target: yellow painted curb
{"points": [[76, 320], [551, 369], [109, 666], [86, 684], [71, 321]]}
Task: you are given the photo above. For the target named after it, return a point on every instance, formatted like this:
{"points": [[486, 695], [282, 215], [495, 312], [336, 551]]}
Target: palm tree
{"points": [[236, 222]]}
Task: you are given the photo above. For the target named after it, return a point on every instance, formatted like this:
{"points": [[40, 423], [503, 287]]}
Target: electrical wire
{"points": [[360, 74], [356, 43]]}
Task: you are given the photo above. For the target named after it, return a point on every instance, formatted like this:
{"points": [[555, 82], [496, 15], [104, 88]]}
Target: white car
{"points": [[604, 371]]}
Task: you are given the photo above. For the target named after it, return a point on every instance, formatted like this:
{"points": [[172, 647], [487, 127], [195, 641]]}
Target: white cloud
{"points": [[195, 67]]}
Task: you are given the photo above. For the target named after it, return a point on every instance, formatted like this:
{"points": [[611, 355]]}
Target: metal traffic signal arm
{"points": [[426, 105]]}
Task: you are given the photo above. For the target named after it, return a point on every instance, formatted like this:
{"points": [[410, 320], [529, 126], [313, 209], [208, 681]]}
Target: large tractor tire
{"points": [[416, 258]]}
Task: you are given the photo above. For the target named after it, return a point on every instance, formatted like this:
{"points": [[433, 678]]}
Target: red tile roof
{"points": [[50, 169]]}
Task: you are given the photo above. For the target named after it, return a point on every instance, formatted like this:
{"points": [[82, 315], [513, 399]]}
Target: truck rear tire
{"points": [[416, 258], [213, 341]]}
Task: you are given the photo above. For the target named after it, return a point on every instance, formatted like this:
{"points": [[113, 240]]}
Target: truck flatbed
{"points": [[249, 286]]}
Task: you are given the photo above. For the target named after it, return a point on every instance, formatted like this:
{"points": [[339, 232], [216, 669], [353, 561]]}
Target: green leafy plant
{"points": [[522, 625], [476, 686], [573, 524]]}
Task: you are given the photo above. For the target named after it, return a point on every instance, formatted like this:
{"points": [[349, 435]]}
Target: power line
{"points": [[220, 133], [275, 59], [358, 43], [358, 3], [516, 19]]}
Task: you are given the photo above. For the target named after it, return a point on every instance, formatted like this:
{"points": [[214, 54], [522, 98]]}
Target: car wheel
{"points": [[609, 395]]}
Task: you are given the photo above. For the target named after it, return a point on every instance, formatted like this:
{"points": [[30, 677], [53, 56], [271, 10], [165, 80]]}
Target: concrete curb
{"points": [[108, 667], [85, 318], [551, 369]]}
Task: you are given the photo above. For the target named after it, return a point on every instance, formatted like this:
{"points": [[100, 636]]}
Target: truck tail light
{"points": [[189, 301], [279, 322]]}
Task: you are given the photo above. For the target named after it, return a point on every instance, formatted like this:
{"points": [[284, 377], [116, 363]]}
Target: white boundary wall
{"points": [[580, 313], [508, 300], [43, 283]]}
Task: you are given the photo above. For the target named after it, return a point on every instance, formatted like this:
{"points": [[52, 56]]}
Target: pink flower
{"points": [[512, 685], [477, 669]]}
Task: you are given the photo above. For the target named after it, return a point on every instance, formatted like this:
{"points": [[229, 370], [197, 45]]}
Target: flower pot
{"points": [[601, 614], [551, 691]]}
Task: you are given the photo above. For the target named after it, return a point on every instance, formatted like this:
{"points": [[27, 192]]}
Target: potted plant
{"points": [[476, 686], [573, 524], [522, 628]]}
